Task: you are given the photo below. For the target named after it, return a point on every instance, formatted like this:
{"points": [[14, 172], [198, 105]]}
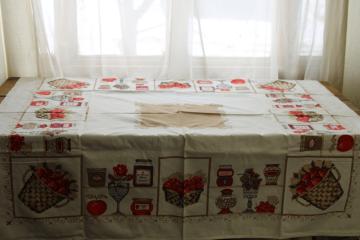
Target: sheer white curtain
{"points": [[187, 39], [3, 70]]}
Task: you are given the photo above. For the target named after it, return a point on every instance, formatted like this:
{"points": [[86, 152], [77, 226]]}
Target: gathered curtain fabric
{"points": [[3, 69], [191, 39]]}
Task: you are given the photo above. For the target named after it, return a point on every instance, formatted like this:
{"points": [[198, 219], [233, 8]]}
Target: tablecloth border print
{"points": [[226, 211], [302, 120]]}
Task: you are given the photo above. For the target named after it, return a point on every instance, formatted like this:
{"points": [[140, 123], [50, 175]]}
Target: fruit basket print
{"points": [[317, 184], [174, 84], [51, 114], [183, 191], [307, 116], [68, 84], [278, 86], [46, 187]]}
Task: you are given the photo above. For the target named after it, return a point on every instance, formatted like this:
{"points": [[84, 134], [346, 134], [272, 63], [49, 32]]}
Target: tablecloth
{"points": [[137, 158]]}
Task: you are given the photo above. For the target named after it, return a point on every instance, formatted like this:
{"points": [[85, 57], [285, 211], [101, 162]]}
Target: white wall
{"points": [[19, 38], [352, 60], [3, 67]]}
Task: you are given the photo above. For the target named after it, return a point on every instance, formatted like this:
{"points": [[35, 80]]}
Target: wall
{"points": [[3, 67], [352, 60]]}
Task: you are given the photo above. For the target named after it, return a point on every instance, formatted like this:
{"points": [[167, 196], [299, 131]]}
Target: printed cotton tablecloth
{"points": [[134, 158]]}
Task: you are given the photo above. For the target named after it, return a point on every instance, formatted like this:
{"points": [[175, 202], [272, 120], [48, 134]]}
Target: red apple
{"points": [[96, 207], [345, 143]]}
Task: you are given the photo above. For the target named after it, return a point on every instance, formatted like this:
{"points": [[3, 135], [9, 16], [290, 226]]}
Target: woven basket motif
{"points": [[182, 200], [37, 196], [325, 194]]}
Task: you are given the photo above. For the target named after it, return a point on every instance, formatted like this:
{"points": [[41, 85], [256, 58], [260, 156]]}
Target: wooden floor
{"points": [[341, 97], [6, 87]]}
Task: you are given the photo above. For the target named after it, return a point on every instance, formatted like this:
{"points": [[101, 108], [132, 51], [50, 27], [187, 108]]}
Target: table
{"points": [[137, 158]]}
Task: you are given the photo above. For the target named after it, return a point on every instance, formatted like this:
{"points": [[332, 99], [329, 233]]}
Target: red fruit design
{"points": [[41, 172], [188, 185], [167, 85], [38, 103], [16, 142], [306, 96], [45, 93], [335, 127], [57, 113], [345, 143], [238, 81], [57, 180], [306, 116], [120, 170], [109, 79], [309, 178], [300, 189], [96, 207], [303, 119], [265, 207]]}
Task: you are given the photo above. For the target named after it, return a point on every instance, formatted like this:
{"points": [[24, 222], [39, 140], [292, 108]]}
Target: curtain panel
{"points": [[187, 39], [3, 67]]}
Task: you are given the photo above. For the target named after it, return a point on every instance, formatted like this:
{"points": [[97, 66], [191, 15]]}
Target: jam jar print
{"points": [[38, 103], [96, 177], [143, 173], [272, 173], [141, 206], [225, 176]]}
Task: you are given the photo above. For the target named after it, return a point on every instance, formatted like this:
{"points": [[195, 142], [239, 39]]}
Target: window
{"points": [[228, 29], [220, 28], [220, 37], [111, 27]]}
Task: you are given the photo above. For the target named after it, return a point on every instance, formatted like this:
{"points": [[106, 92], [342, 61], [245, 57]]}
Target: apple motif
{"points": [[238, 81], [96, 207], [345, 143]]}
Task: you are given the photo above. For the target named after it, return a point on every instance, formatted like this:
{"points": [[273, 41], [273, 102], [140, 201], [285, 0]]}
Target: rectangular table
{"points": [[114, 158]]}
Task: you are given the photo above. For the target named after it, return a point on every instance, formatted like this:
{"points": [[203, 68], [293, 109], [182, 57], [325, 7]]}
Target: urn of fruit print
{"points": [[226, 201], [250, 182]]}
